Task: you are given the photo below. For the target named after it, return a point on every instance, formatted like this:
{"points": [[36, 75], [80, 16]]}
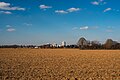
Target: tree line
{"points": [[109, 44], [81, 44]]}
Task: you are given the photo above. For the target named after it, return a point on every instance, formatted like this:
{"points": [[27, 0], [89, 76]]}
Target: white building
{"points": [[54, 45], [36, 47], [63, 43]]}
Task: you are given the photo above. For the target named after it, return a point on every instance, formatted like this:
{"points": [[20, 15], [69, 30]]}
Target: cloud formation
{"points": [[84, 28], [73, 9], [99, 2], [61, 11], [67, 11], [7, 6], [88, 28], [5, 12], [95, 3], [107, 9], [11, 29], [45, 7]]}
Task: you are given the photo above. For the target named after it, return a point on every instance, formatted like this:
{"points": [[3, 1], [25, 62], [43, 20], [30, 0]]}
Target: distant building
{"points": [[54, 45], [59, 45], [63, 43], [36, 47]]}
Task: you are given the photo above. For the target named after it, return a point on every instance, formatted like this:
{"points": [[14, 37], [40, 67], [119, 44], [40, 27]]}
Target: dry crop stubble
{"points": [[59, 64]]}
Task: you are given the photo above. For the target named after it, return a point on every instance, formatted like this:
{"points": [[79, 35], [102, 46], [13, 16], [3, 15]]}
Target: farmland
{"points": [[59, 64]]}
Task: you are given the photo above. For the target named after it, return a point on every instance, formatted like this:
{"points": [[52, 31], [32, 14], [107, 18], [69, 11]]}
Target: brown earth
{"points": [[59, 64]]}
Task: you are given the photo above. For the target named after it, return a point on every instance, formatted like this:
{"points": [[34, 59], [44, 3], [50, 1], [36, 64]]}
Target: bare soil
{"points": [[59, 64]]}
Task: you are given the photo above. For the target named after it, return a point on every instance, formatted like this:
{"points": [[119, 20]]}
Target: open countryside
{"points": [[59, 40]]}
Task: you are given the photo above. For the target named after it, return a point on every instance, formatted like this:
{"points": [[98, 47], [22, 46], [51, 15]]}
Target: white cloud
{"points": [[7, 6], [95, 3], [99, 2], [107, 9], [73, 9], [84, 28], [5, 12], [11, 29], [67, 11], [61, 11], [45, 7], [3, 4]]}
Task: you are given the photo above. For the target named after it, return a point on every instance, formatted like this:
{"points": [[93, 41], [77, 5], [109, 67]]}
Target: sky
{"points": [[53, 21]]}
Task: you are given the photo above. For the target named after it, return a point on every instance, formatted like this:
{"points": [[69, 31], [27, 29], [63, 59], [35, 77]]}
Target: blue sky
{"points": [[54, 21]]}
